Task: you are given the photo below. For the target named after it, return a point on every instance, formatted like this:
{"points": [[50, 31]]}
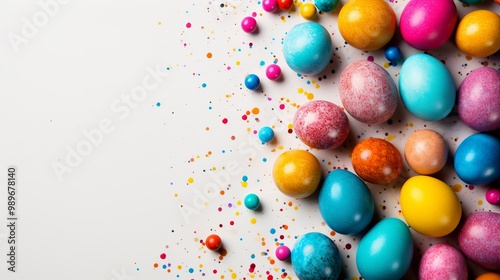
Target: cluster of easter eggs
{"points": [[369, 95]]}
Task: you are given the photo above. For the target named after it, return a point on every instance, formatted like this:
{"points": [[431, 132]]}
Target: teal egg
{"points": [[307, 48], [345, 202], [386, 251], [426, 87], [316, 257]]}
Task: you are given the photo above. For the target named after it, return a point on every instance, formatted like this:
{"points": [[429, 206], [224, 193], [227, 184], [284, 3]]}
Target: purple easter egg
{"points": [[479, 99], [443, 261], [479, 239], [367, 91]]}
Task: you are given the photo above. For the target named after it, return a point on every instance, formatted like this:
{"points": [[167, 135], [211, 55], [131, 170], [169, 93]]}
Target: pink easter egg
{"points": [[321, 124], [368, 92], [443, 261], [426, 25], [479, 99]]}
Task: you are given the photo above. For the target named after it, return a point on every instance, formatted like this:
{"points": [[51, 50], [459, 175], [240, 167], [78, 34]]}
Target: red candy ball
{"points": [[321, 124], [213, 242], [377, 161], [285, 5]]}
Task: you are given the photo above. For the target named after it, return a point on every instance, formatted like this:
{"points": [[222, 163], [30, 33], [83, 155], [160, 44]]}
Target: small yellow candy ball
{"points": [[367, 24], [297, 173], [478, 33], [308, 11]]}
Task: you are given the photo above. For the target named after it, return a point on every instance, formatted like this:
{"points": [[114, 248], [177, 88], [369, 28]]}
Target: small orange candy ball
{"points": [[478, 33], [426, 151], [213, 242], [367, 24], [297, 173], [377, 161]]}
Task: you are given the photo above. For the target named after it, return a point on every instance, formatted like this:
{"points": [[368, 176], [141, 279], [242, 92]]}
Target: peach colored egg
{"points": [[377, 161], [426, 151]]}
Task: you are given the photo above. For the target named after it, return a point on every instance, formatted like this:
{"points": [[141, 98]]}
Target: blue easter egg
{"points": [[426, 87], [307, 48], [345, 202], [326, 6], [477, 159], [315, 256], [386, 251]]}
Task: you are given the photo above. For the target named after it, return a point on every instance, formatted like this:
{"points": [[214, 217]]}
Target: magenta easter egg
{"points": [[426, 25], [368, 92], [321, 124], [479, 239], [443, 261], [479, 99]]}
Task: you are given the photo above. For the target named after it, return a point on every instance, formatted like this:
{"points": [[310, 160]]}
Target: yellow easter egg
{"points": [[478, 33], [430, 206], [297, 173], [367, 24]]}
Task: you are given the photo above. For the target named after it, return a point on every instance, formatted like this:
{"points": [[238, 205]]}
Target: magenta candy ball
{"points": [[493, 196], [426, 25], [270, 5], [443, 261], [249, 24], [479, 239], [283, 253], [368, 92], [273, 72], [479, 99], [321, 124]]}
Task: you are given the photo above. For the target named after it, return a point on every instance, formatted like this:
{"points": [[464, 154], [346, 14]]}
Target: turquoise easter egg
{"points": [[386, 251], [315, 256], [426, 87], [345, 202], [307, 48]]}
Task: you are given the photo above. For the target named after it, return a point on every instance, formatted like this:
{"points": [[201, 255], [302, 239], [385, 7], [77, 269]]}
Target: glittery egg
{"points": [[477, 159], [426, 151], [478, 33], [426, 87], [377, 161], [321, 124], [368, 92], [315, 256], [367, 25], [443, 261], [479, 99], [427, 25], [307, 48], [297, 173], [479, 239], [385, 251], [430, 206]]}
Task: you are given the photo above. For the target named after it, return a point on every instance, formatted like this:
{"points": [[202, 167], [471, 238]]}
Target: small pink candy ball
{"points": [[479, 99], [493, 196], [321, 124], [443, 261], [270, 6], [283, 253], [273, 72], [249, 24]]}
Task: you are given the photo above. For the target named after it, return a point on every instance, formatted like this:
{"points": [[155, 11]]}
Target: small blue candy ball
{"points": [[477, 159], [392, 53], [307, 48], [252, 82], [326, 6], [252, 201], [266, 134]]}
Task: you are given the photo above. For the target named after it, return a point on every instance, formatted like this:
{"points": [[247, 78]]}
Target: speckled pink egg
{"points": [[367, 91], [426, 25], [479, 99], [321, 124], [443, 261], [479, 239]]}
